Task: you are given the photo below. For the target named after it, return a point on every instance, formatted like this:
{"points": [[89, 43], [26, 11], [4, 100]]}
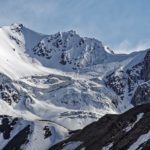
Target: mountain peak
{"points": [[73, 32], [17, 25], [71, 51]]}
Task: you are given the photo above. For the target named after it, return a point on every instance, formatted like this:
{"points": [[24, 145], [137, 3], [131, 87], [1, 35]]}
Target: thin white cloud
{"points": [[128, 47]]}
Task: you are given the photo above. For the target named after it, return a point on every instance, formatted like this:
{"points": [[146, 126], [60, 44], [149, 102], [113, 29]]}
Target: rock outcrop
{"points": [[142, 94], [147, 66]]}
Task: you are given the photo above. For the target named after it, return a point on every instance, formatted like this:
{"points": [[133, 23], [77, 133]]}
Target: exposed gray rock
{"points": [[147, 66], [142, 94], [8, 91], [125, 79]]}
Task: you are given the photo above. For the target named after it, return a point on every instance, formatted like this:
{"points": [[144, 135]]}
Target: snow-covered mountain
{"points": [[65, 79]]}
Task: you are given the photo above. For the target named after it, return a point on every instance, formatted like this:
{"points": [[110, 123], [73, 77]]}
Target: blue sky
{"points": [[123, 25]]}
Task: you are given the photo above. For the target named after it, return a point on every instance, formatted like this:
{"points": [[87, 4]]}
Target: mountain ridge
{"points": [[113, 132]]}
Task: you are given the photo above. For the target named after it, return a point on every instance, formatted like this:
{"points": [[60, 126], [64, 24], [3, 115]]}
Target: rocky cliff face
{"points": [[130, 130], [147, 66], [132, 84], [142, 93], [124, 81]]}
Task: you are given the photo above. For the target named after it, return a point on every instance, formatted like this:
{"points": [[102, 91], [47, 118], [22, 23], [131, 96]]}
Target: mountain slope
{"points": [[130, 130], [17, 133]]}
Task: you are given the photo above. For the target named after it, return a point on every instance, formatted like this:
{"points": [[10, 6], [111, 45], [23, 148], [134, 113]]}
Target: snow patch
{"points": [[107, 147], [143, 138], [130, 126], [72, 145]]}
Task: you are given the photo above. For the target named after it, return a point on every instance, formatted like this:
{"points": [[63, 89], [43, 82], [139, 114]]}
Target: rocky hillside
{"points": [[142, 93], [130, 130], [131, 83]]}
